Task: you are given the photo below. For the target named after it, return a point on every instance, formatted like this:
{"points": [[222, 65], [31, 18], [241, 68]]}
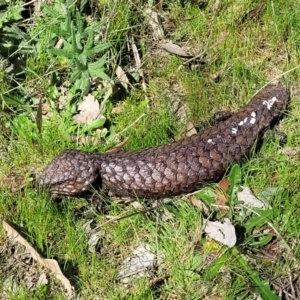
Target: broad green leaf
{"points": [[98, 73], [12, 100], [99, 63], [214, 269], [79, 46], [10, 14], [83, 83], [97, 49], [75, 75], [69, 22], [207, 195], [76, 47], [93, 28], [112, 130], [69, 47], [95, 124], [136, 76], [81, 62], [82, 5], [72, 128], [104, 132], [90, 40], [262, 241], [261, 286], [258, 221], [79, 22], [50, 11], [235, 176], [61, 52], [96, 70]]}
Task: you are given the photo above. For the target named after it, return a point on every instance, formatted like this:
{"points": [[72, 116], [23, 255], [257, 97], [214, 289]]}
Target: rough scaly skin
{"points": [[171, 169]]}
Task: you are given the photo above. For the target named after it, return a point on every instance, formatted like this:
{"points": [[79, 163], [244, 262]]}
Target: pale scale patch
{"points": [[66, 189], [251, 121], [243, 122], [233, 130], [270, 102], [253, 118]]}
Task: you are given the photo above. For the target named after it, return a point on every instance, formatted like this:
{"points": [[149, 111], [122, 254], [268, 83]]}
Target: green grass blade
{"points": [[261, 287]]}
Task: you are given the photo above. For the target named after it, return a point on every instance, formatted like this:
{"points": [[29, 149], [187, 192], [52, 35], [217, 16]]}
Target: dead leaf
{"points": [[59, 44], [42, 280], [221, 200], [209, 259], [118, 147], [177, 107], [63, 98], [166, 215], [174, 49], [136, 205], [252, 14], [272, 249], [290, 151], [122, 76], [94, 235], [39, 117], [190, 129], [87, 140], [14, 182], [216, 76], [221, 39], [153, 19], [221, 232], [37, 8], [224, 184], [250, 200], [51, 264], [46, 110], [117, 110], [138, 63], [160, 6], [198, 203], [142, 263], [168, 26], [89, 110]]}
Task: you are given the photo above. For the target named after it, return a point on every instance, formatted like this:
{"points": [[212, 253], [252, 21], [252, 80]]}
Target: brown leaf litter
{"points": [[22, 265]]}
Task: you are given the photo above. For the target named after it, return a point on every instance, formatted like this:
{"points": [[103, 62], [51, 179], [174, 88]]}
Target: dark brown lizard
{"points": [[171, 169]]}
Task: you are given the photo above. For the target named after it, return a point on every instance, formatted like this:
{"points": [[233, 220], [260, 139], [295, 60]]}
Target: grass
{"points": [[191, 266]]}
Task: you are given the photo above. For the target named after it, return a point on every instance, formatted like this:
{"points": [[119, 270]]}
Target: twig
{"points": [[222, 38], [125, 216], [119, 133], [138, 62], [28, 3], [276, 78], [292, 285], [109, 20]]}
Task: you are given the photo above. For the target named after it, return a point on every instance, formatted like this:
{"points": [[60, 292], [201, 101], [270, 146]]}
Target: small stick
{"points": [[138, 62], [222, 38]]}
